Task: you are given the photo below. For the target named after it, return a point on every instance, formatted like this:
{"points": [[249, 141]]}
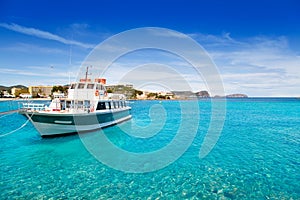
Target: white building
{"points": [[25, 96], [58, 95]]}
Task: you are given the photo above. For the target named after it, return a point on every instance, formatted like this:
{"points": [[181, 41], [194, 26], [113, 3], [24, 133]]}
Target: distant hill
{"points": [[2, 87], [202, 94], [183, 93], [237, 96], [129, 92]]}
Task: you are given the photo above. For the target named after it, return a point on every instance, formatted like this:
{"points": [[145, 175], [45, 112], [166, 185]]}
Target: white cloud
{"points": [[167, 33], [42, 75], [215, 41], [32, 48], [39, 71], [258, 66], [43, 34]]}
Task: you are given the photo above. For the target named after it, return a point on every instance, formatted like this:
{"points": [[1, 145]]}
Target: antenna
{"points": [[87, 72]]}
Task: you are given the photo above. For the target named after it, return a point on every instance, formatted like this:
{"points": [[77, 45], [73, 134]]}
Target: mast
{"points": [[85, 79], [86, 73]]}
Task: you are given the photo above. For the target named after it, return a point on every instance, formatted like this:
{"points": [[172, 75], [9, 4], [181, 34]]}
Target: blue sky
{"points": [[255, 44]]}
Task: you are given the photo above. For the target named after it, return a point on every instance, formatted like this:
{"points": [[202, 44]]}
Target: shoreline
{"points": [[23, 99], [179, 99]]}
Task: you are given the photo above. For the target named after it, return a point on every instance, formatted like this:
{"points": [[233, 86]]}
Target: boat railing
{"points": [[33, 106]]}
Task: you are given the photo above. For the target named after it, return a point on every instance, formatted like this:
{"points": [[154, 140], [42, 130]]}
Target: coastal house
{"points": [[25, 95], [6, 94], [15, 91], [58, 95]]}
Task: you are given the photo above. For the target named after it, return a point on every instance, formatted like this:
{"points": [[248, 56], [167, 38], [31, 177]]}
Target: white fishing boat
{"points": [[87, 107]]}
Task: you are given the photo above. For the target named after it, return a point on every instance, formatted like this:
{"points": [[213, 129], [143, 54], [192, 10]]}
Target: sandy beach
{"points": [[22, 99]]}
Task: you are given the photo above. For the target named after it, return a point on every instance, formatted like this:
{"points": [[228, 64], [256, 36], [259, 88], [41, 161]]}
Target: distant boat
{"points": [[87, 107]]}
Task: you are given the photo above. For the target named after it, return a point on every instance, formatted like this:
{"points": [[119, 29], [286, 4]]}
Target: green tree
{"points": [[54, 89], [109, 91], [59, 89], [138, 92], [161, 97], [152, 95]]}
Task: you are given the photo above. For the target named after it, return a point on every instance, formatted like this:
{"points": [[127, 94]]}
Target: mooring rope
{"points": [[11, 132], [9, 112]]}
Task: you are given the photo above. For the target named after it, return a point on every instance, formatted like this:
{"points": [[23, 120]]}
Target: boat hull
{"points": [[55, 124]]}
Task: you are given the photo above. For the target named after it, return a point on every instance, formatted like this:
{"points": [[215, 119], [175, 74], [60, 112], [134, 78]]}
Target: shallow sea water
{"points": [[256, 157]]}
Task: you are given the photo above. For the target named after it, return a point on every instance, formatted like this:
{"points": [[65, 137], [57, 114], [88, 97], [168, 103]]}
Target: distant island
{"points": [[232, 96], [237, 96], [128, 90]]}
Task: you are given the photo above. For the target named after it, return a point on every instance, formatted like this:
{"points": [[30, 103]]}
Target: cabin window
{"points": [[80, 104], [86, 103], [68, 104], [63, 104], [98, 87], [121, 104], [107, 104], [90, 86], [72, 104], [73, 86], [81, 85], [101, 106]]}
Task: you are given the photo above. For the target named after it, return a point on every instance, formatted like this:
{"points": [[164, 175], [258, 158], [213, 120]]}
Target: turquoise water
{"points": [[256, 157]]}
